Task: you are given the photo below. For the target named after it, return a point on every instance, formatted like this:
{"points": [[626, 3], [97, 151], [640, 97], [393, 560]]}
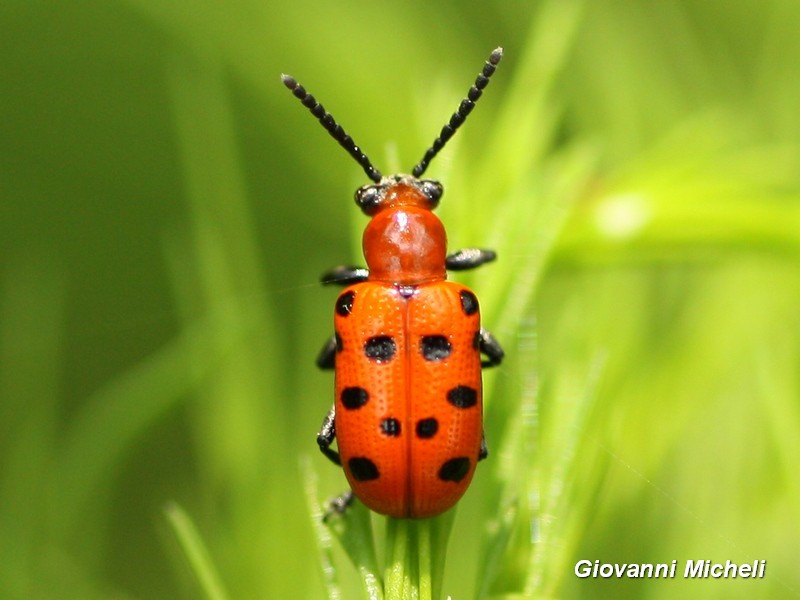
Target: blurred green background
{"points": [[166, 207]]}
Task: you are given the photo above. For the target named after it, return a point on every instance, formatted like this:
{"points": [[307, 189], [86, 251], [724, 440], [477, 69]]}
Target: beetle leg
{"points": [[490, 348], [344, 275], [484, 451], [326, 359], [326, 436], [469, 258], [339, 504]]}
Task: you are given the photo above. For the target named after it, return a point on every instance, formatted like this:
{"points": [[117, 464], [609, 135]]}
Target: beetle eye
{"points": [[368, 198], [433, 191]]}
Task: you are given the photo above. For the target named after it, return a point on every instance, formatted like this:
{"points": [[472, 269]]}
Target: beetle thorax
{"points": [[405, 242]]}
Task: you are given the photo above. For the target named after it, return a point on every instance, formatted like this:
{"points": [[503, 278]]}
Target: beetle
{"points": [[408, 346]]}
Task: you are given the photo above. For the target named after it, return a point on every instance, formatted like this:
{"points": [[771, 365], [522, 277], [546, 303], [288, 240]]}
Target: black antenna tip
{"points": [[289, 81], [332, 127], [463, 110]]}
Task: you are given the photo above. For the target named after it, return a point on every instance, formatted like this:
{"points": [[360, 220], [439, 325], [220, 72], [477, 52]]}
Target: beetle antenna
{"points": [[329, 123], [466, 106]]}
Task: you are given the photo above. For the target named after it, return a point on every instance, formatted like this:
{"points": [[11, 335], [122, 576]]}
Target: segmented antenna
{"points": [[466, 106], [328, 122]]}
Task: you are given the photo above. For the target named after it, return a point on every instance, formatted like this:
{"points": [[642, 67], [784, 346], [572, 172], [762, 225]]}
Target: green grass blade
{"points": [[196, 552]]}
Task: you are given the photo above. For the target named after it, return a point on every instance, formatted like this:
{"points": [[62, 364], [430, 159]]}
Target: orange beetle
{"points": [[408, 411]]}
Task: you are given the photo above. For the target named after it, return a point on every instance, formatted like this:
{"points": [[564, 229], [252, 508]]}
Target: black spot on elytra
{"points": [[435, 347], [427, 428], [390, 426], [469, 303], [354, 397], [344, 304], [363, 469], [454, 469], [380, 348], [462, 396]]}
